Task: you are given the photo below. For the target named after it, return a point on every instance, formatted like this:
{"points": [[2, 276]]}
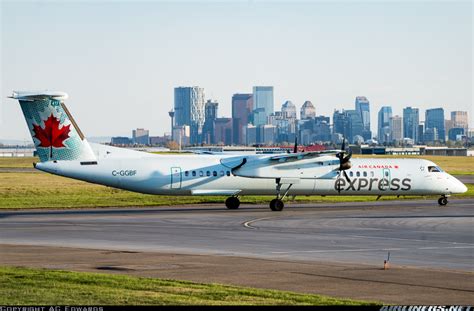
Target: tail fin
{"points": [[55, 133]]}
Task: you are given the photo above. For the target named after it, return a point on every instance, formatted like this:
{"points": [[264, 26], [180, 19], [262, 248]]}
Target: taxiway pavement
{"points": [[335, 249]]}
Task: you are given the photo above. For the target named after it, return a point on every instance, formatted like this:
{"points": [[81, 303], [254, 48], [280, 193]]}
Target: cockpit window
{"points": [[434, 169]]}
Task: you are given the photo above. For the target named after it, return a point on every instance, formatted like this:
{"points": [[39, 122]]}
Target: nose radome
{"points": [[458, 186]]}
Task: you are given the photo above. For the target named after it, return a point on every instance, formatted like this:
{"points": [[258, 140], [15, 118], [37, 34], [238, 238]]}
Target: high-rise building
{"points": [[421, 133], [315, 130], [356, 126], [434, 118], [223, 131], [210, 112], [288, 110], [307, 110], [250, 134], [456, 133], [140, 136], [362, 106], [189, 110], [383, 129], [262, 104], [349, 124], [266, 134], [396, 128], [411, 121], [460, 119], [430, 135], [242, 105]]}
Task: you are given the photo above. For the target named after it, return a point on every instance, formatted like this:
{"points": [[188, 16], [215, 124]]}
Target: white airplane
{"points": [[63, 150]]}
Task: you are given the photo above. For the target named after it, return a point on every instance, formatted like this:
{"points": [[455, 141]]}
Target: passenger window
{"points": [[228, 173], [351, 174], [194, 173], [371, 174], [214, 173], [365, 174], [222, 173], [358, 174], [208, 173], [201, 173], [386, 173], [186, 173]]}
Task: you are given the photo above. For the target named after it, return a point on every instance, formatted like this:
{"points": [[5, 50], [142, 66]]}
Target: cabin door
{"points": [[175, 178]]}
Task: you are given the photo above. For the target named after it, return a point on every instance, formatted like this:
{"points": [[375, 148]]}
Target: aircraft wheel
{"points": [[276, 205], [232, 203], [443, 201]]}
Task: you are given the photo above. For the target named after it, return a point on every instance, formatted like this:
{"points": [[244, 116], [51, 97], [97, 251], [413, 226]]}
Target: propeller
{"points": [[344, 162]]}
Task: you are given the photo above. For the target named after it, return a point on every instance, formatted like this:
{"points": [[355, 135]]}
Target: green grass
{"points": [[17, 162], [41, 190], [26, 286]]}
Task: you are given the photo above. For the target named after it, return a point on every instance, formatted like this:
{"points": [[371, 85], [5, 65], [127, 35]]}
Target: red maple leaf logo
{"points": [[51, 135]]}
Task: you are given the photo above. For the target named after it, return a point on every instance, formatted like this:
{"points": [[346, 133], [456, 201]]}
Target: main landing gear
{"points": [[277, 204], [232, 203], [443, 200]]}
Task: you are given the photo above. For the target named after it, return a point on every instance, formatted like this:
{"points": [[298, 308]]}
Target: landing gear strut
{"points": [[277, 204], [232, 202], [443, 201]]}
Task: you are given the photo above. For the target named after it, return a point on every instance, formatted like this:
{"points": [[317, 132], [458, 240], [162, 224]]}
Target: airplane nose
{"points": [[458, 187]]}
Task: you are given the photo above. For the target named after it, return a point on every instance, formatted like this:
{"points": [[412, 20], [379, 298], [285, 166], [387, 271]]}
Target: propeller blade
{"points": [[295, 148], [338, 182], [347, 177], [347, 157]]}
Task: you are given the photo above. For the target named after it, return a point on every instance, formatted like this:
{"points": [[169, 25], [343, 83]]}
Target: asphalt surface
{"points": [[415, 233], [331, 249]]}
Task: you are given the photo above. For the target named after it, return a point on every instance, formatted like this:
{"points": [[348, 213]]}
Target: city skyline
{"points": [[131, 56], [246, 127]]}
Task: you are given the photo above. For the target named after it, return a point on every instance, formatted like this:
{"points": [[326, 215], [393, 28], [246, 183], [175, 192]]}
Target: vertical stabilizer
{"points": [[55, 133]]}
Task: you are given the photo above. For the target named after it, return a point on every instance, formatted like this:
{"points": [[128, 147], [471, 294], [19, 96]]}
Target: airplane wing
{"points": [[297, 165], [302, 155]]}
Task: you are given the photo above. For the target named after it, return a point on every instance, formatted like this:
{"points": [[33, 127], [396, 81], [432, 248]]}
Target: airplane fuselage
{"points": [[207, 175]]}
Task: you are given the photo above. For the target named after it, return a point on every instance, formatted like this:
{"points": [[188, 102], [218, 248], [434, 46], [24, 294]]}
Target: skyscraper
{"points": [[363, 109], [411, 120], [383, 129], [307, 110], [223, 131], [340, 123], [286, 128], [460, 120], [189, 110], [242, 105], [208, 132], [349, 124], [356, 126], [434, 119], [262, 104], [396, 128]]}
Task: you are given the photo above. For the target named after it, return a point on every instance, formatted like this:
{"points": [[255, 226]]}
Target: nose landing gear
{"points": [[443, 200], [232, 202]]}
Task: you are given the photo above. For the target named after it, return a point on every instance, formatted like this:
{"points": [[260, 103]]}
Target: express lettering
{"points": [[124, 173], [383, 184]]}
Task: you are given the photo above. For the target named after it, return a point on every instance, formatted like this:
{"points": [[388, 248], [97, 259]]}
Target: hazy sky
{"points": [[119, 61]]}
